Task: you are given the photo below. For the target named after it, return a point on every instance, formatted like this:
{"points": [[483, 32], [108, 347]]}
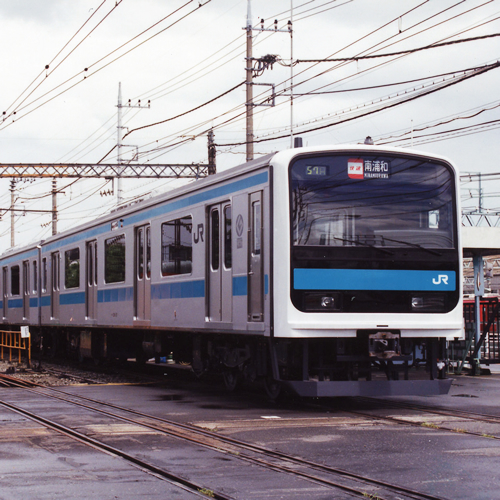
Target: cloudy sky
{"points": [[63, 61]]}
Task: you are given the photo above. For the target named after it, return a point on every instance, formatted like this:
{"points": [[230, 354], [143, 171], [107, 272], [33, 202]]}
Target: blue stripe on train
{"points": [[116, 295], [180, 290], [373, 279]]}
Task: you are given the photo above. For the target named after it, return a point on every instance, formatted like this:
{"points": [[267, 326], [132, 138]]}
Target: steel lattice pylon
{"points": [[90, 170]]}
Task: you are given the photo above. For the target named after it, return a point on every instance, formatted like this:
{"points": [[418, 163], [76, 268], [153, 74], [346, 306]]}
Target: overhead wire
{"points": [[59, 53], [407, 51], [85, 70], [434, 15]]}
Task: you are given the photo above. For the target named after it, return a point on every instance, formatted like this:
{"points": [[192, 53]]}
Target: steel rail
{"points": [[447, 412], [147, 467], [179, 430]]}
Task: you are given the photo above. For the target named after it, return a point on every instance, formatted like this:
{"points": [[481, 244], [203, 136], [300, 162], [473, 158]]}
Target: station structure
{"points": [[482, 316]]}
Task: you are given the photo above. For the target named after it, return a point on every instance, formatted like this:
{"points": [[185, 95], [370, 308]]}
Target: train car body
{"points": [[332, 271]]}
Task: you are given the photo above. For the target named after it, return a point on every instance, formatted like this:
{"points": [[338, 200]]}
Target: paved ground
{"points": [[37, 463]]}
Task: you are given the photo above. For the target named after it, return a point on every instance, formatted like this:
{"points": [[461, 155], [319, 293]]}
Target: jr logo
{"points": [[442, 278], [199, 234]]}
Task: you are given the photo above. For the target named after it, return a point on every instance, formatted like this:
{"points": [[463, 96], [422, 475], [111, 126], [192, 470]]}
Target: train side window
{"points": [[228, 257], [14, 280], [44, 274], [72, 268], [114, 259], [177, 246]]}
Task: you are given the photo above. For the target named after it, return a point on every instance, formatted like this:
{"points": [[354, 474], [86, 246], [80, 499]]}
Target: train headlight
{"points": [[322, 302], [328, 302], [434, 302]]}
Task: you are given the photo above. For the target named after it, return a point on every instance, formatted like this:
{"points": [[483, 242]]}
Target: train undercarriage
{"points": [[373, 363]]}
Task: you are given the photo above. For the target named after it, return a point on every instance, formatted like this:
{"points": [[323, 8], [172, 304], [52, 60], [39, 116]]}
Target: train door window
{"points": [[55, 271], [114, 259], [148, 252], [72, 268], [44, 274], [91, 279], [255, 264], [35, 276], [257, 224], [5, 279], [214, 244], [140, 253], [228, 257], [90, 265], [14, 280], [176, 246], [56, 284], [26, 288]]}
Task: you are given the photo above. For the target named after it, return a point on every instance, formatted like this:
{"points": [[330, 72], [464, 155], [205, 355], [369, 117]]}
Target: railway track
{"points": [[334, 480], [464, 415]]}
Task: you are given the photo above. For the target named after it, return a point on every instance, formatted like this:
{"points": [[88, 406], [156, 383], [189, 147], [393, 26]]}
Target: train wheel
{"points": [[272, 387], [232, 379]]}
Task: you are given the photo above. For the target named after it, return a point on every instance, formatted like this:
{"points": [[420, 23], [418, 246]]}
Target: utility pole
{"points": [[290, 27], [249, 84], [212, 169], [119, 145], [54, 206], [263, 63], [12, 218]]}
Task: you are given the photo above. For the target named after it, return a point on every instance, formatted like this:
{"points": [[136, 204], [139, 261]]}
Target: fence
{"points": [[15, 342], [487, 349]]}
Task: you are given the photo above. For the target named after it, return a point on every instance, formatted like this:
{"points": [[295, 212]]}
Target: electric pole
{"points": [[212, 169], [263, 63], [54, 206], [119, 145], [249, 84], [12, 218]]}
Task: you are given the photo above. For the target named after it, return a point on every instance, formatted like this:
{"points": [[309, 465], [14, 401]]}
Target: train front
{"points": [[373, 272]]}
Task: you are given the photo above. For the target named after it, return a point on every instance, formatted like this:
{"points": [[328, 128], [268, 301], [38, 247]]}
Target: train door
{"points": [[255, 260], [91, 280], [142, 288], [26, 289], [220, 292], [54, 295], [5, 288]]}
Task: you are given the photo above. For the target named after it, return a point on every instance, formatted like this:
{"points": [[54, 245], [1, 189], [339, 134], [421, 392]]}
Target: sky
{"points": [[63, 61]]}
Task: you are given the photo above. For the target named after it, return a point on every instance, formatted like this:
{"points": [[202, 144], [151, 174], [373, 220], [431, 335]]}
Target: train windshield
{"points": [[372, 200]]}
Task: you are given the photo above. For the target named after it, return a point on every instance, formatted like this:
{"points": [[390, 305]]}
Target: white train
{"points": [[330, 271]]}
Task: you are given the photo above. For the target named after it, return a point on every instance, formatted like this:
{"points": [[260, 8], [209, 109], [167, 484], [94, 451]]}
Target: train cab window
{"points": [[44, 274], [114, 259], [177, 246], [14, 280], [72, 268]]}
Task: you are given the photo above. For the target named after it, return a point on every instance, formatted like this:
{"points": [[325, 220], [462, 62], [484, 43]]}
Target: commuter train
{"points": [[328, 271]]}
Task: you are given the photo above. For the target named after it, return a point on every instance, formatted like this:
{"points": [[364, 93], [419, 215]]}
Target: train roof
{"points": [[283, 157]]}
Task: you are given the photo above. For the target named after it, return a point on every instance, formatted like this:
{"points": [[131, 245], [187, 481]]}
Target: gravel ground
{"points": [[51, 374]]}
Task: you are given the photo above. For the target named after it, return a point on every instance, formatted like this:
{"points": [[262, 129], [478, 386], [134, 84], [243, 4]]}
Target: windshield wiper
{"points": [[415, 245]]}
